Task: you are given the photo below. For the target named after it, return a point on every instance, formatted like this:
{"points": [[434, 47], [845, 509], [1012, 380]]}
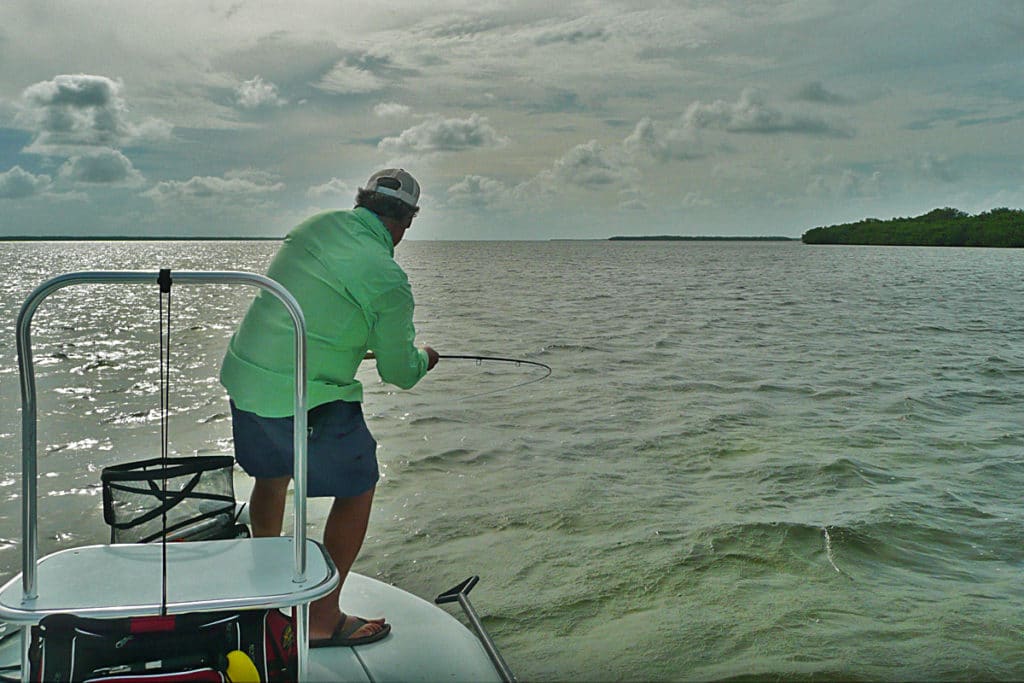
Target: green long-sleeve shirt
{"points": [[340, 267]]}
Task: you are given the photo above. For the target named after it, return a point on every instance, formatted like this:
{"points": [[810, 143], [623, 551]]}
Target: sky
{"points": [[580, 119]]}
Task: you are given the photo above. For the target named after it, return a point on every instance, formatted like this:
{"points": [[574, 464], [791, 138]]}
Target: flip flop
{"points": [[341, 637]]}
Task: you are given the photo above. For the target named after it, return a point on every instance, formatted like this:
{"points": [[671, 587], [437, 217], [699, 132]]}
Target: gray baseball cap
{"points": [[395, 182]]}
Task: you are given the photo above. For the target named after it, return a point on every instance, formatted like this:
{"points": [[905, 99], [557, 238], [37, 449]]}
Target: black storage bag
{"points": [[68, 648]]}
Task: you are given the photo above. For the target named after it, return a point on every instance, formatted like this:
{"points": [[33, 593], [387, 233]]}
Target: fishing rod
{"points": [[517, 361], [491, 359], [499, 359]]}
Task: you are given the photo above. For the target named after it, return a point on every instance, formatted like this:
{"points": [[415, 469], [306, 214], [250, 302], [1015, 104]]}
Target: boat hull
{"points": [[426, 643]]}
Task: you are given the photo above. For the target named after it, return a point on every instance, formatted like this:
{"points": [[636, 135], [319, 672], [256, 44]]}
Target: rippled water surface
{"points": [[751, 460]]}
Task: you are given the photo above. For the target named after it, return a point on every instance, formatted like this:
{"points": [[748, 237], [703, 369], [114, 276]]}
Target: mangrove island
{"points": [[939, 228], [698, 238]]}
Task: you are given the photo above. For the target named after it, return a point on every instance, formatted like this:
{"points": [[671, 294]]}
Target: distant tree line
{"points": [[704, 238], [939, 228]]}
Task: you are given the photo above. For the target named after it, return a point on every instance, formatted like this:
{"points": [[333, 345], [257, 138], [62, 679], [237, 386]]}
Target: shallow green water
{"points": [[752, 460]]}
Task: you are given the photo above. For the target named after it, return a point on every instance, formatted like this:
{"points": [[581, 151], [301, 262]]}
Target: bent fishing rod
{"points": [[491, 359], [498, 359]]}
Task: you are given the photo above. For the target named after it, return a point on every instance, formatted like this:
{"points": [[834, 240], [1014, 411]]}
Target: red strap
{"points": [[205, 675], [151, 624]]}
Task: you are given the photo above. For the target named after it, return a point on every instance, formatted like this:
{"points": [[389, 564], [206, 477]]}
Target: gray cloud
{"points": [[817, 92], [108, 167], [478, 191], [556, 101], [386, 109], [571, 35], [930, 119], [233, 9], [444, 135], [631, 199], [359, 73], [78, 110], [234, 185], [332, 188], [938, 167], [693, 200], [986, 120], [844, 184], [344, 79], [678, 144], [588, 165], [281, 58], [751, 114], [461, 27], [18, 183]]}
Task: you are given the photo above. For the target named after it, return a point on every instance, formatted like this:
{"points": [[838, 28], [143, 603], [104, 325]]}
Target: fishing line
{"points": [[497, 359]]}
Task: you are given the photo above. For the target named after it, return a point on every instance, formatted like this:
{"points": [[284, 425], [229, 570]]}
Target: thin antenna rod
{"points": [[164, 280]]}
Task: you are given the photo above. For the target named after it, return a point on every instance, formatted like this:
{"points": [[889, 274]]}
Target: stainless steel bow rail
{"points": [[460, 594], [240, 574]]}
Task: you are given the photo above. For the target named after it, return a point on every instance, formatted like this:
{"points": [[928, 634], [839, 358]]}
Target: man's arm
{"points": [[392, 340], [432, 355]]}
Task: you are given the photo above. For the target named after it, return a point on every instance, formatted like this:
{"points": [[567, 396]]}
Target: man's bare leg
{"points": [[343, 537], [266, 506]]}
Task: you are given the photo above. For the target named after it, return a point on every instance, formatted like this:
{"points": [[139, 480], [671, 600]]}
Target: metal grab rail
{"points": [[460, 594], [29, 437]]}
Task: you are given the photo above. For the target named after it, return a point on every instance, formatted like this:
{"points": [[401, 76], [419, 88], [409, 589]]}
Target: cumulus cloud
{"points": [[257, 93], [78, 110], [588, 165], [18, 183], [643, 139], [817, 92], [386, 109], [675, 144], [332, 188], [846, 183], [478, 191], [444, 135], [938, 167], [108, 166], [693, 200], [751, 114], [631, 199], [344, 79], [233, 185], [571, 35]]}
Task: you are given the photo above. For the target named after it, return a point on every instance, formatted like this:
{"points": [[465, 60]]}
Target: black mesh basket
{"points": [[199, 500]]}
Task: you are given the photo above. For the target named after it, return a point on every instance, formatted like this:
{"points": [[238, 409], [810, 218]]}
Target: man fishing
{"points": [[340, 267]]}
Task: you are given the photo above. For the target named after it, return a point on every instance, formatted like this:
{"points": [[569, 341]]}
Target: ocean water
{"points": [[752, 460]]}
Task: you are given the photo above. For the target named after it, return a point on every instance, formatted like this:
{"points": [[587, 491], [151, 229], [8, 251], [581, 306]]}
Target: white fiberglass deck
{"points": [[426, 643], [125, 580]]}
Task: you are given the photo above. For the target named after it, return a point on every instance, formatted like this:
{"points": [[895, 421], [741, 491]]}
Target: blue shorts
{"points": [[341, 456]]}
